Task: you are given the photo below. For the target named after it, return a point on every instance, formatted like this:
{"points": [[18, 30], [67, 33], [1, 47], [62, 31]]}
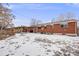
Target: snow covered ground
{"points": [[34, 44]]}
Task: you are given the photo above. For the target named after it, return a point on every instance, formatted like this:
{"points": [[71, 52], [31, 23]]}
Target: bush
{"points": [[5, 33]]}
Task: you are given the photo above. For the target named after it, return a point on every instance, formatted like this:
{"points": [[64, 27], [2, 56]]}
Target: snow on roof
{"points": [[56, 22]]}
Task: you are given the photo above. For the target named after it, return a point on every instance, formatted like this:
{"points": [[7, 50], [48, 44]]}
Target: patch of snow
{"points": [[34, 44]]}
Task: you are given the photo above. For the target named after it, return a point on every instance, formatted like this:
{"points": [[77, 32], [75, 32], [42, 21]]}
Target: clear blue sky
{"points": [[42, 11]]}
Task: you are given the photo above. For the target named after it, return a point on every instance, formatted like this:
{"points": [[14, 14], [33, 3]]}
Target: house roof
{"points": [[56, 22]]}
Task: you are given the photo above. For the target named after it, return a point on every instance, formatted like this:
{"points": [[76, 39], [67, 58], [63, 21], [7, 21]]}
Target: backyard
{"points": [[36, 44]]}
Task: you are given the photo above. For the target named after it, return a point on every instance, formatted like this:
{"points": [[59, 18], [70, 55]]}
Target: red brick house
{"points": [[68, 27]]}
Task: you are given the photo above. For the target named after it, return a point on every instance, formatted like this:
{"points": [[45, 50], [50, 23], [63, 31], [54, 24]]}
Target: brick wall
{"points": [[49, 28], [57, 28], [71, 28]]}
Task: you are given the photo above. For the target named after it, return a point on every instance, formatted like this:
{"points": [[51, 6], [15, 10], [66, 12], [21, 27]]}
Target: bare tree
{"points": [[6, 17], [38, 22], [53, 19], [61, 17], [70, 15], [66, 16], [35, 22]]}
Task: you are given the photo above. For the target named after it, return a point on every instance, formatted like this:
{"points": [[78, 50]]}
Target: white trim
{"points": [[58, 33], [71, 34], [72, 21], [66, 34], [76, 27]]}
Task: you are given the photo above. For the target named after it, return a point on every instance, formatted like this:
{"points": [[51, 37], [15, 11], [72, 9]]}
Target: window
{"points": [[39, 27], [64, 25]]}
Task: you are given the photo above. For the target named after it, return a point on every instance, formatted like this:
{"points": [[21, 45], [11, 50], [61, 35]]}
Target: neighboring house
{"points": [[18, 29]]}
